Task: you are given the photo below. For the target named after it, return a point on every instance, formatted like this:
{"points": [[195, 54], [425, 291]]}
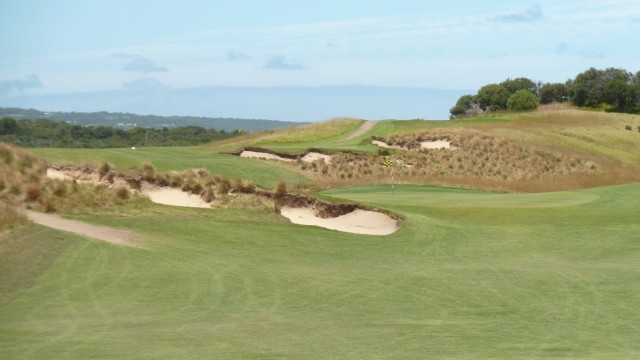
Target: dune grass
{"points": [[266, 174], [470, 275]]}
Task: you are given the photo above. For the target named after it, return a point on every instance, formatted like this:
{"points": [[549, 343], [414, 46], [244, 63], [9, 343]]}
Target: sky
{"points": [[245, 58]]}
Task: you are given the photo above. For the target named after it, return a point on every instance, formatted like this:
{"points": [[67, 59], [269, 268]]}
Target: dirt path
{"points": [[105, 233], [368, 125]]}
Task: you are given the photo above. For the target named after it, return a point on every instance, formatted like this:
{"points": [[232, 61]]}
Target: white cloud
{"points": [[143, 65], [8, 86], [532, 14], [279, 62], [237, 56]]}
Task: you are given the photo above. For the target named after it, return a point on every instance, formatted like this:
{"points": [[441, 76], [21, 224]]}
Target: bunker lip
{"points": [[298, 208], [308, 156], [428, 144], [357, 222]]}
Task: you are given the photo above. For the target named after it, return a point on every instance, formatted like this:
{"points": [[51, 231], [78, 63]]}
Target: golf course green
{"points": [[469, 275]]}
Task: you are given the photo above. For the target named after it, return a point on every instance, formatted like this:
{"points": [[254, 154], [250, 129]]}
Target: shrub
{"points": [[281, 188], [122, 193], [383, 151], [223, 187], [9, 216], [59, 188], [32, 192], [104, 169], [148, 171], [628, 127], [522, 100], [49, 206], [6, 153], [196, 188], [209, 194]]}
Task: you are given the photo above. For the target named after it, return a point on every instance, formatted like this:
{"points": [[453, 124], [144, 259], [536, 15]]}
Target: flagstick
{"points": [[392, 187]]}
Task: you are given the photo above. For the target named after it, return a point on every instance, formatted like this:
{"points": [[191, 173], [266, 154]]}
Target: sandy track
{"points": [[104, 233], [368, 125]]}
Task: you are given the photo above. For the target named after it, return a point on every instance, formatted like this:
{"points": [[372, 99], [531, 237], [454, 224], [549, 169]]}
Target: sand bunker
{"points": [[314, 156], [57, 174], [383, 144], [357, 222], [310, 157], [157, 194], [173, 197], [263, 155], [438, 144]]}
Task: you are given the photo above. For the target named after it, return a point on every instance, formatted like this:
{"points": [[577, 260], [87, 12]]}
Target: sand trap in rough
{"points": [[173, 197], [438, 144], [310, 157], [357, 222], [262, 155], [57, 174], [313, 156], [383, 144]]}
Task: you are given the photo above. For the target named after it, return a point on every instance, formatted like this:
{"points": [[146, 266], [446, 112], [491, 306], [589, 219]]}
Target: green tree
{"points": [[8, 126], [522, 100], [466, 105], [553, 92], [621, 96], [493, 97], [513, 85], [589, 85], [635, 80]]}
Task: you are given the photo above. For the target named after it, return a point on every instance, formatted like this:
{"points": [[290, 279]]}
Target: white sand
{"points": [[357, 222], [313, 156], [383, 144], [310, 157], [438, 144], [262, 155], [57, 174], [173, 197]]}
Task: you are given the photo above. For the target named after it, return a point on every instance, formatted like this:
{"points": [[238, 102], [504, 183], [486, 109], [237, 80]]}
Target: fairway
{"points": [[469, 275]]}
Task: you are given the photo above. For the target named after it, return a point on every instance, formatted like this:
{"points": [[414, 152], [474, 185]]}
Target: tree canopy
{"points": [[522, 100], [610, 89], [44, 132]]}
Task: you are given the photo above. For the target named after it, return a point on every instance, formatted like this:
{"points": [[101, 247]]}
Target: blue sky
{"points": [[53, 48]]}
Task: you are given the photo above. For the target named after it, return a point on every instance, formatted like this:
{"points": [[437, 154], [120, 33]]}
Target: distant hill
{"points": [[128, 120]]}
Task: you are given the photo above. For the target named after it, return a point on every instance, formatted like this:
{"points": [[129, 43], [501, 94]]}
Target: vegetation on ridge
{"points": [[612, 89], [49, 133]]}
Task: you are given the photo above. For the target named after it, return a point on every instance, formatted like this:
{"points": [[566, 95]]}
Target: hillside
{"points": [[528, 270], [127, 120], [554, 148]]}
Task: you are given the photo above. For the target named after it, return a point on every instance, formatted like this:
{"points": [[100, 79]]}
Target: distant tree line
{"points": [[49, 133], [612, 89]]}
